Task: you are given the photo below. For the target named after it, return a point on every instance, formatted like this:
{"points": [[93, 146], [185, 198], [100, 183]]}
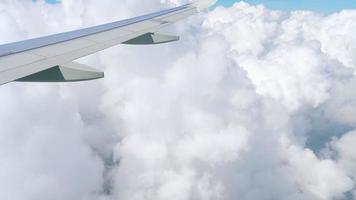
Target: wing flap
{"points": [[15, 60], [108, 35], [141, 26], [152, 38], [69, 72]]}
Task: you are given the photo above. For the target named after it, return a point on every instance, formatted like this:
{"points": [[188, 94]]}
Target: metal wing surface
{"points": [[50, 58]]}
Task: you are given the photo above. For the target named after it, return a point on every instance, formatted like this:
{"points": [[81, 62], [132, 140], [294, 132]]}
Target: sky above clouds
{"points": [[251, 104], [324, 6]]}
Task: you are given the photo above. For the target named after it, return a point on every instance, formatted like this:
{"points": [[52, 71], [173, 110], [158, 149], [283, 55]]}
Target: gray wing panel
{"points": [[21, 59], [17, 47]]}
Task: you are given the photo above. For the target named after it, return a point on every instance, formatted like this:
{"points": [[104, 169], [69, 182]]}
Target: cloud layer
{"points": [[251, 104]]}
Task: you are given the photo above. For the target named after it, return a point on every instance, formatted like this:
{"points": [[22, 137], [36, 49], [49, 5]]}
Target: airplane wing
{"points": [[50, 58]]}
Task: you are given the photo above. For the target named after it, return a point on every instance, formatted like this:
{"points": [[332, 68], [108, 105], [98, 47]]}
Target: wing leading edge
{"points": [[49, 58]]}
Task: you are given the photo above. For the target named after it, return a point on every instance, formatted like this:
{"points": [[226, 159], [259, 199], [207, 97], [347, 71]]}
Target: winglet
{"points": [[203, 4]]}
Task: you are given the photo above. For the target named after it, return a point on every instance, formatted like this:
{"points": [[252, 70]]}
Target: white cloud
{"points": [[43, 155], [345, 154], [209, 117], [323, 179]]}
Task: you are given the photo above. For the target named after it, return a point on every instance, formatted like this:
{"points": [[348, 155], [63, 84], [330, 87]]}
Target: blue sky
{"points": [[325, 6], [316, 5], [53, 1]]}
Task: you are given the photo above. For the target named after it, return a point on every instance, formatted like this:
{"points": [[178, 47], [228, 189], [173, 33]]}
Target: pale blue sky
{"points": [[316, 5], [326, 6], [53, 1]]}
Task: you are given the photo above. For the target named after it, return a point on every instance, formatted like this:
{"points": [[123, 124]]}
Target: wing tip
{"points": [[203, 4]]}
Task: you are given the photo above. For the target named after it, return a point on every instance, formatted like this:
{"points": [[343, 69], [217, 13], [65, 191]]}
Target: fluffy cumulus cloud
{"points": [[251, 104]]}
